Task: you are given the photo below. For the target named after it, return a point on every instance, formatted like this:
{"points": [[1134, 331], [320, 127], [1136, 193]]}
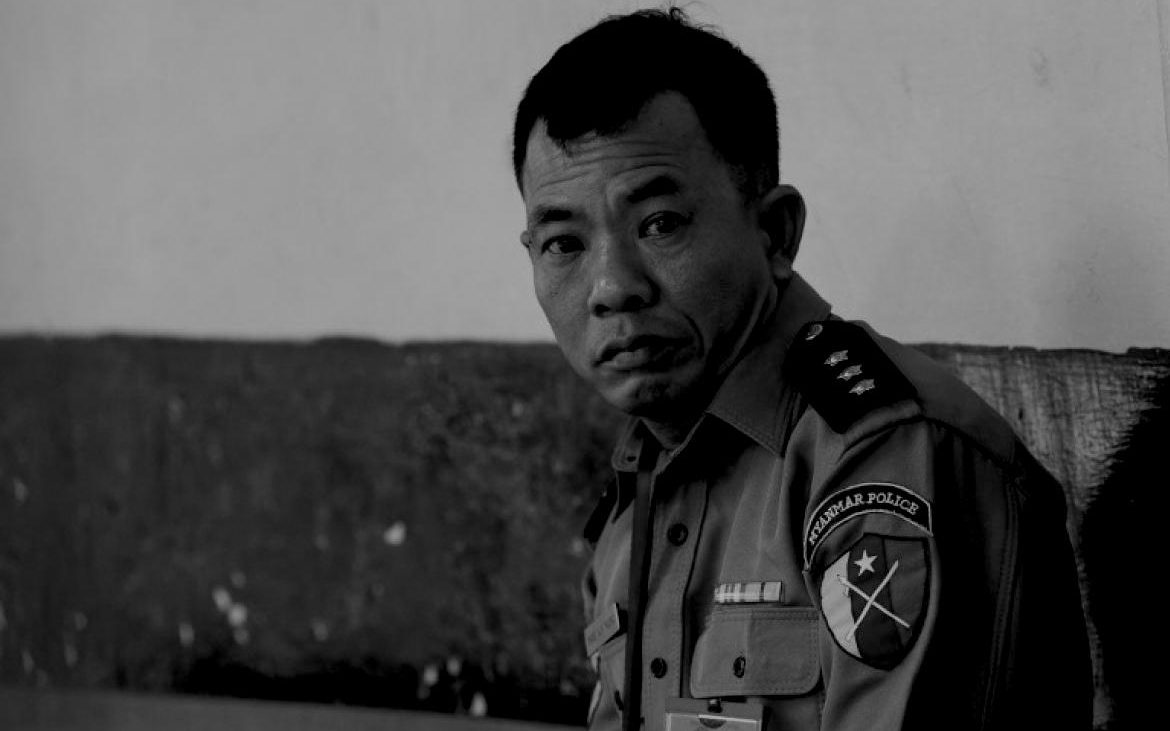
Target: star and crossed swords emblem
{"points": [[873, 596], [865, 563]]}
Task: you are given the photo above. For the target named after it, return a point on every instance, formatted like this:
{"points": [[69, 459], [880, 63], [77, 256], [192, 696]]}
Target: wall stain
{"points": [[1041, 72]]}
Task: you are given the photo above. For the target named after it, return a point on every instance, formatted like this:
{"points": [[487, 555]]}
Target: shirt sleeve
{"points": [[946, 585]]}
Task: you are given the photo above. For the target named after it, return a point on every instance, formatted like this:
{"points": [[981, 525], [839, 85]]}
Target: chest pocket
{"points": [[757, 650]]}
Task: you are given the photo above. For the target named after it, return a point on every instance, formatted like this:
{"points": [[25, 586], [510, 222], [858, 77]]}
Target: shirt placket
{"points": [[676, 519]]}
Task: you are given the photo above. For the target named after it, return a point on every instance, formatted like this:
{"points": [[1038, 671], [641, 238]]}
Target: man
{"points": [[811, 526]]}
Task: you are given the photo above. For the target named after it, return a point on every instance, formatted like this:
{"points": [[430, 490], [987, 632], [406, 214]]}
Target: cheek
{"points": [[722, 292], [557, 301], [550, 294], [716, 286]]}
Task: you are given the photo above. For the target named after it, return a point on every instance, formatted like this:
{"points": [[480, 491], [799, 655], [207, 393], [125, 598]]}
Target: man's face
{"points": [[647, 263]]}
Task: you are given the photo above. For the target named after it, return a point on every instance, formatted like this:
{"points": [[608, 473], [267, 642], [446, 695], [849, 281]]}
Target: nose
{"points": [[621, 280]]}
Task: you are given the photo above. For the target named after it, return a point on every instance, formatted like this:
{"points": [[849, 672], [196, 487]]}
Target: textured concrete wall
{"points": [[398, 525]]}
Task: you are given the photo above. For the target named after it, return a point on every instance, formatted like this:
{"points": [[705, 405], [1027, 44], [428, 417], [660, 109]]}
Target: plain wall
{"points": [[983, 172]]}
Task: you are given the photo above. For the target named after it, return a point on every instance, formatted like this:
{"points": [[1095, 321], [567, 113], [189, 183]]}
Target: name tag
{"points": [[689, 714], [608, 625]]}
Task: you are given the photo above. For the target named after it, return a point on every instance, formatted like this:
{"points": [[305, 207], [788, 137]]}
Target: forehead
{"points": [[665, 138]]}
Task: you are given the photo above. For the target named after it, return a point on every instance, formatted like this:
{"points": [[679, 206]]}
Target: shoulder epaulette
{"points": [[843, 373]]}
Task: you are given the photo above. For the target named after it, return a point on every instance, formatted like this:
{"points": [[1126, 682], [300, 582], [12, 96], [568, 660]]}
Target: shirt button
{"points": [[677, 534], [739, 666], [658, 667]]}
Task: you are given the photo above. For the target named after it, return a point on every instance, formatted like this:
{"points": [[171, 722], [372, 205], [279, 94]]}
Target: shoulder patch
{"points": [[843, 373], [874, 598], [867, 497]]}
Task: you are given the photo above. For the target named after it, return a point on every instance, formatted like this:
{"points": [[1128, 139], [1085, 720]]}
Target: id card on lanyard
{"points": [[688, 714]]}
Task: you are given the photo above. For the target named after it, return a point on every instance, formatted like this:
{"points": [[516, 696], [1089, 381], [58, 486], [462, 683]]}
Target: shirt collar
{"points": [[629, 446]]}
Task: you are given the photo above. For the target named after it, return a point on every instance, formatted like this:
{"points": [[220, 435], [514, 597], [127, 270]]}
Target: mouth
{"points": [[641, 352]]}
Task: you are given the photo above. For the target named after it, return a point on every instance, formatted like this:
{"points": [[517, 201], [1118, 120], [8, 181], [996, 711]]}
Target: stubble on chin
{"points": [[664, 401]]}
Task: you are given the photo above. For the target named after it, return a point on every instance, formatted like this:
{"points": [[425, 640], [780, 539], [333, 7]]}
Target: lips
{"points": [[637, 353]]}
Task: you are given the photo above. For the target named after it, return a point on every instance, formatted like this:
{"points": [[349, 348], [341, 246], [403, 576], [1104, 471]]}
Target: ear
{"points": [[782, 216]]}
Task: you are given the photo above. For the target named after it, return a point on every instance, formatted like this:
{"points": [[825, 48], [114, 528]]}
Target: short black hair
{"points": [[601, 80]]}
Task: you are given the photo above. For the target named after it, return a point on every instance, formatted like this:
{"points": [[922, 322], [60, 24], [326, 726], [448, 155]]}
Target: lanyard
{"points": [[639, 568]]}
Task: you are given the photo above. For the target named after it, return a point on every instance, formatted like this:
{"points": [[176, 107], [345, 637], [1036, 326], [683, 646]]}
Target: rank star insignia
{"points": [[862, 387], [837, 357], [874, 597], [849, 373]]}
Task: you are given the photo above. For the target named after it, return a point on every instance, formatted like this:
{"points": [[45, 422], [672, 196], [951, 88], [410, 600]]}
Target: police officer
{"points": [[810, 526]]}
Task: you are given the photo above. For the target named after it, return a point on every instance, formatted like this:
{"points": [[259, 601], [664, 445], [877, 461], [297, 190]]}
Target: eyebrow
{"points": [[656, 187], [550, 214]]}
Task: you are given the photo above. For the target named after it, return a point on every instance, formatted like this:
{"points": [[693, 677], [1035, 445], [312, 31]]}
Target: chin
{"points": [[653, 396]]}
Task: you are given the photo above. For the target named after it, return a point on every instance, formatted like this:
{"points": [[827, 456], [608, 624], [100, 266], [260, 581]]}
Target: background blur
{"points": [[229, 467], [991, 172]]}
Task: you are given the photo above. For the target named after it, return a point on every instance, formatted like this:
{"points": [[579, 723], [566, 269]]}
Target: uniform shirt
{"points": [[909, 569]]}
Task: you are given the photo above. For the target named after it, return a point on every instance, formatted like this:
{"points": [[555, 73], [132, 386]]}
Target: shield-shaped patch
{"points": [[874, 597]]}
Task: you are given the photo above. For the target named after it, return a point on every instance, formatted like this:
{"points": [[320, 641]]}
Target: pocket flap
{"points": [[757, 651]]}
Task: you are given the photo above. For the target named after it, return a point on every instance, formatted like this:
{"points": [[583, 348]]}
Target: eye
{"points": [[561, 245], [662, 224]]}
